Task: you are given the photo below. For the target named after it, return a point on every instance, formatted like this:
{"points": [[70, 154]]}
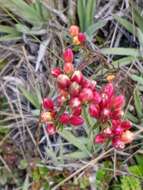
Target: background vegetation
{"points": [[33, 35]]}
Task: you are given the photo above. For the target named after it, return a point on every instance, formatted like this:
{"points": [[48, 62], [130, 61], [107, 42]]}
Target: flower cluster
{"points": [[77, 36], [74, 93]]}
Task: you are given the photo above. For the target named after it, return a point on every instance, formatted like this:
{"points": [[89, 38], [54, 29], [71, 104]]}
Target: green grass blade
{"points": [[10, 37], [137, 78], [23, 10], [74, 140], [94, 27], [121, 51], [138, 103], [138, 18], [81, 14], [125, 23], [7, 29], [90, 9], [30, 97], [123, 61]]}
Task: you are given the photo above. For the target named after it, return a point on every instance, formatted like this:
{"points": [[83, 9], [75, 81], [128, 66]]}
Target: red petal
{"points": [[68, 55], [76, 120], [48, 104]]}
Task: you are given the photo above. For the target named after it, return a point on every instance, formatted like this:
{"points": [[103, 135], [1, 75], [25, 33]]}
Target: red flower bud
{"points": [[74, 102], [81, 37], [51, 129], [68, 68], [108, 132], [77, 111], [86, 95], [118, 101], [56, 72], [104, 100], [76, 120], [118, 143], [126, 125], [61, 100], [64, 118], [96, 98], [109, 89], [63, 81], [94, 110], [118, 130], [74, 30], [48, 104], [63, 93], [77, 76], [68, 55], [105, 114], [127, 137], [117, 114], [74, 89], [100, 138]]}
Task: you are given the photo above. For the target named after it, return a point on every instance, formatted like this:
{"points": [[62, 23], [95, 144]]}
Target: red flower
{"points": [[74, 30], [94, 110], [105, 114], [86, 95], [77, 76], [109, 89], [118, 101], [96, 98], [100, 138], [74, 102], [74, 89], [68, 55], [77, 111], [118, 143], [76, 120], [64, 118], [48, 104], [81, 37], [51, 129], [108, 132], [63, 81], [118, 130], [68, 68], [126, 125], [56, 72], [61, 100]]}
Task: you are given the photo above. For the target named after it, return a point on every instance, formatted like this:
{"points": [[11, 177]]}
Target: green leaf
{"points": [[125, 23], [9, 37], [123, 61], [140, 37], [138, 103], [94, 27], [121, 51], [81, 14], [76, 155], [7, 29], [74, 140], [130, 183], [131, 117], [137, 78], [138, 18], [23, 10], [30, 97], [90, 9]]}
